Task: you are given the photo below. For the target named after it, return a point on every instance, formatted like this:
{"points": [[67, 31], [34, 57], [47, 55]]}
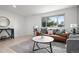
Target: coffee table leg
{"points": [[33, 46], [35, 43], [50, 47]]}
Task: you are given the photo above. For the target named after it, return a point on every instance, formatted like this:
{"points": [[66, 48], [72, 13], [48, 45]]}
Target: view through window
{"points": [[52, 21]]}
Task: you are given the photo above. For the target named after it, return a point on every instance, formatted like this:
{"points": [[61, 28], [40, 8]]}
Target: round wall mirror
{"points": [[4, 21]]}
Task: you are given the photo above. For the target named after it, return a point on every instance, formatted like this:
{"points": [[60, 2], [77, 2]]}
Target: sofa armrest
{"points": [[64, 35]]}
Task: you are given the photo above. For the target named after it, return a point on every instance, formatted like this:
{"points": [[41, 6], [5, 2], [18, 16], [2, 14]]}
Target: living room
{"points": [[23, 19]]}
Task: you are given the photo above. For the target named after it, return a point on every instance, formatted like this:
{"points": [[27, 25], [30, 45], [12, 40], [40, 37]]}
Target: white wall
{"points": [[32, 21], [78, 18], [16, 22], [24, 25], [35, 20]]}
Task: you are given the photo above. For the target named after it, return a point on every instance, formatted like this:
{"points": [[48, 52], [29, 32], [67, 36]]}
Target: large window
{"points": [[52, 21]]}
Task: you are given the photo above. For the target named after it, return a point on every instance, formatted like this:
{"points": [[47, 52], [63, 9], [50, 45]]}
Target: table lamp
{"points": [[74, 26], [35, 29]]}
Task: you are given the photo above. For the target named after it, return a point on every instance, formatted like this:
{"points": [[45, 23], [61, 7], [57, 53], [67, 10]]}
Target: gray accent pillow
{"points": [[54, 31], [44, 30], [60, 31]]}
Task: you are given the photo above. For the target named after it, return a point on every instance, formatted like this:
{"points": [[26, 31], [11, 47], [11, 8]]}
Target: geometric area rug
{"points": [[27, 46]]}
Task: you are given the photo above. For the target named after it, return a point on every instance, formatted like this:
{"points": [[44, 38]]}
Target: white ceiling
{"points": [[27, 10]]}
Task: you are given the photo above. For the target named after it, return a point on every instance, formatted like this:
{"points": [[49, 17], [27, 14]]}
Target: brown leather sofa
{"points": [[59, 37]]}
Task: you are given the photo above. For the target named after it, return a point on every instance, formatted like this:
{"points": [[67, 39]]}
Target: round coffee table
{"points": [[42, 39]]}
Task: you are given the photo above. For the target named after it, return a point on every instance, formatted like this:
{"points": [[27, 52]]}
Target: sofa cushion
{"points": [[60, 31], [44, 30], [50, 31], [54, 31]]}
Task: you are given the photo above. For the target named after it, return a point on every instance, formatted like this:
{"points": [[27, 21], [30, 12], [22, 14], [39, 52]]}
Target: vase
{"points": [[41, 37]]}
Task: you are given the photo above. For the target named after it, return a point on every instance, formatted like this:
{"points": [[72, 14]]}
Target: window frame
{"points": [[53, 16]]}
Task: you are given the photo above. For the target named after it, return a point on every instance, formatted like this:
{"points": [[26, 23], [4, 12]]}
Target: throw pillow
{"points": [[50, 31], [61, 31], [44, 30], [54, 31]]}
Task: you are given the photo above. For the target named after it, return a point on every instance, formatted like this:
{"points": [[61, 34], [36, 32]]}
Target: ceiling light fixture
{"points": [[14, 6]]}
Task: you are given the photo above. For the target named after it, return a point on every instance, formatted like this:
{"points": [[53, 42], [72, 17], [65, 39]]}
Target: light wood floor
{"points": [[5, 44]]}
